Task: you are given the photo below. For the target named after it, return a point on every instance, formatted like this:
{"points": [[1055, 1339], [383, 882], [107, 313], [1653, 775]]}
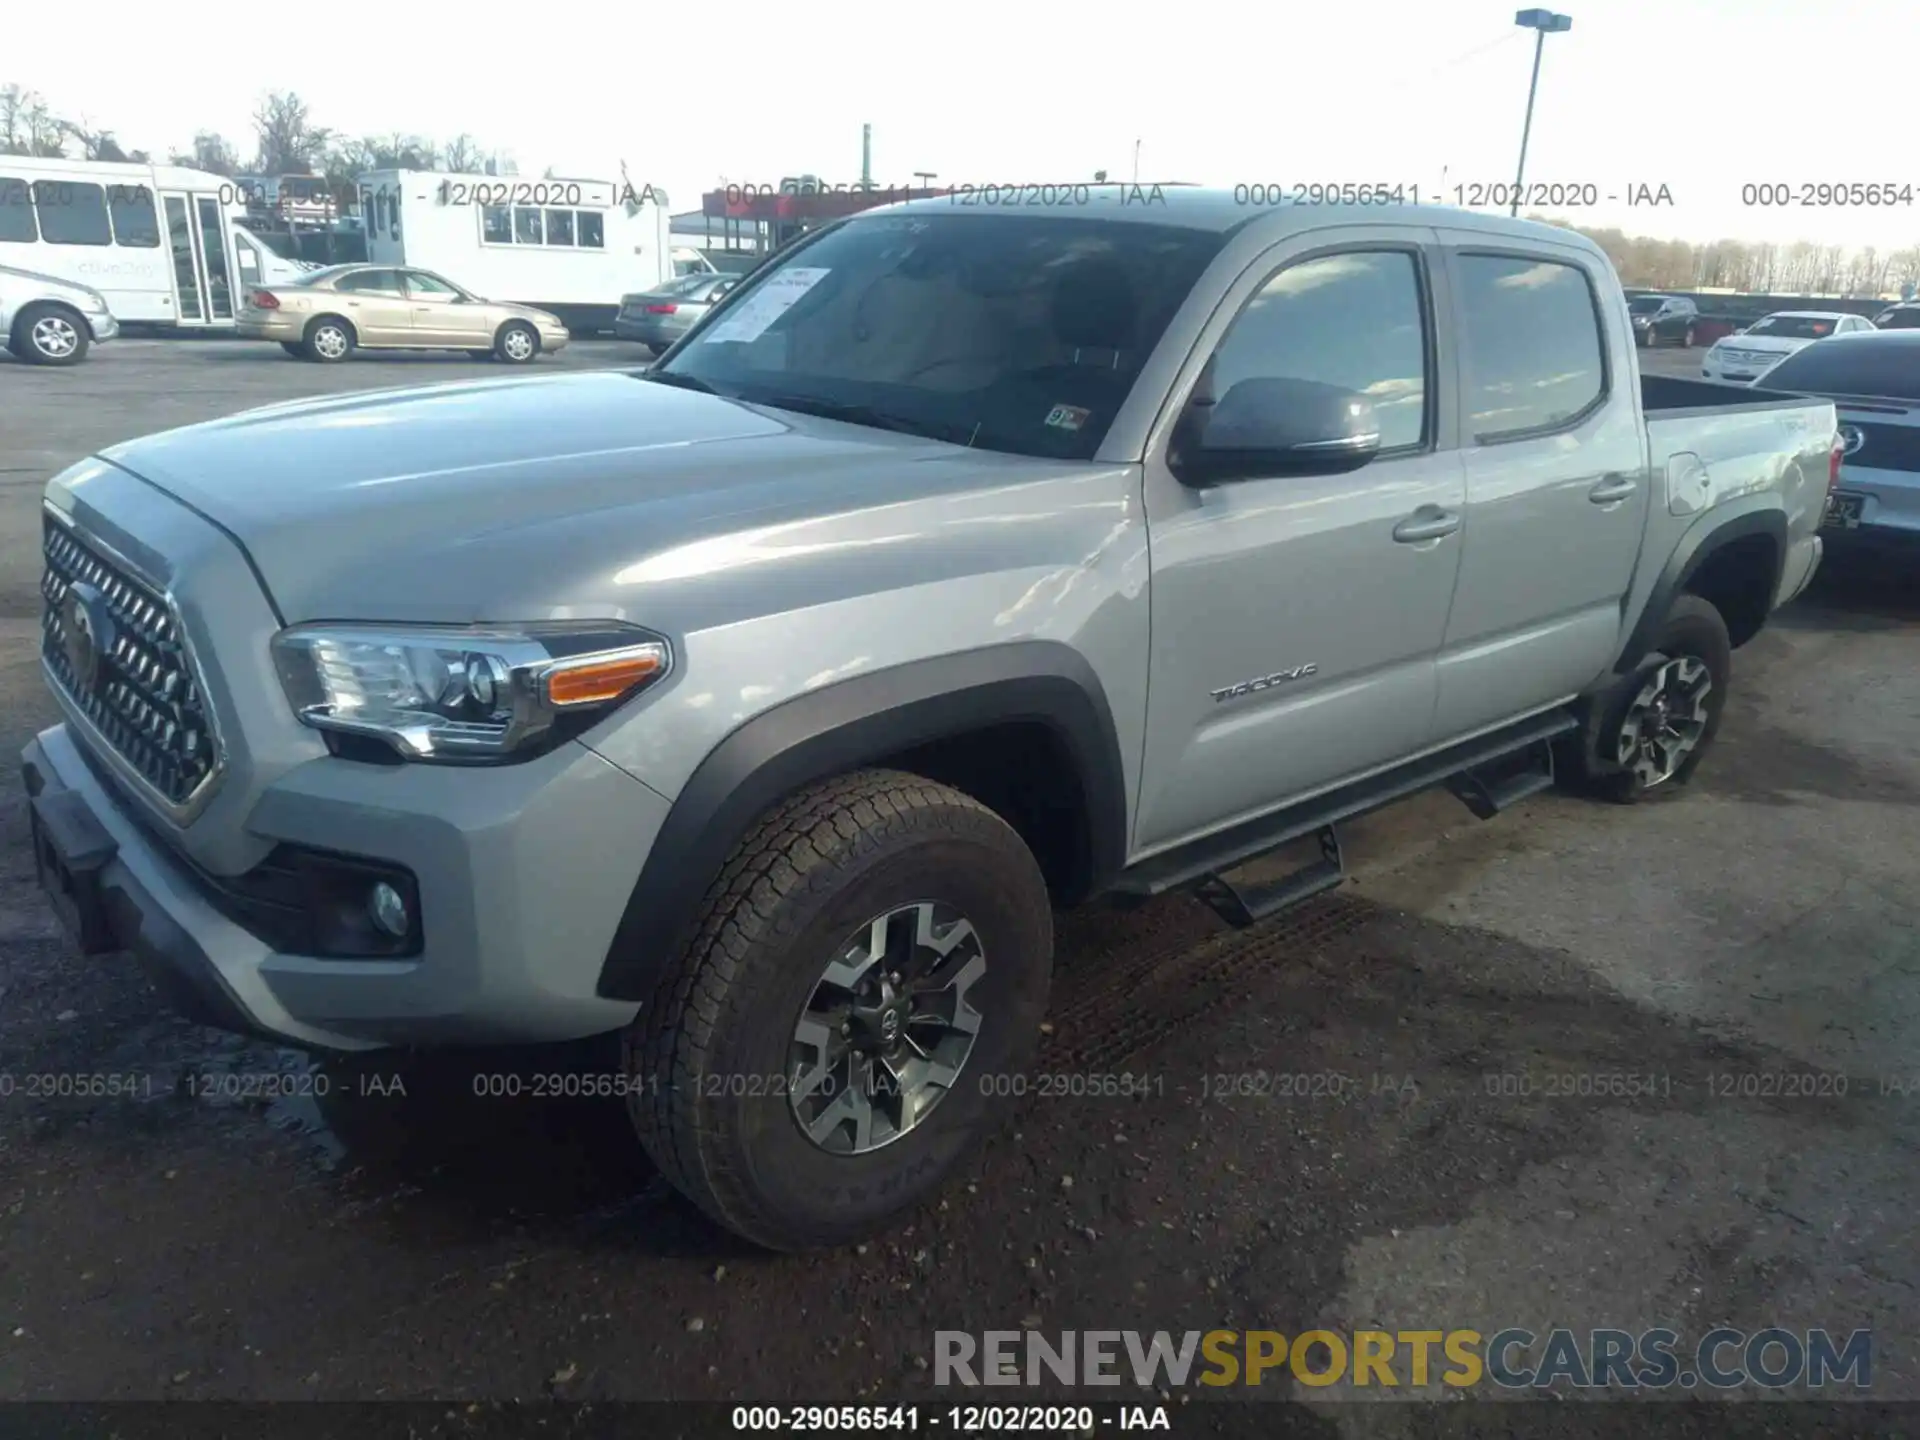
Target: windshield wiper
{"points": [[856, 414]]}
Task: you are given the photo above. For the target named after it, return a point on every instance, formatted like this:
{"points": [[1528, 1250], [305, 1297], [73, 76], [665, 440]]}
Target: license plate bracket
{"points": [[70, 850], [1843, 510]]}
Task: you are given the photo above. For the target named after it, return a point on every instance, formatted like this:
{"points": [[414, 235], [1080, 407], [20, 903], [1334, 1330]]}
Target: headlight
{"points": [[472, 694]]}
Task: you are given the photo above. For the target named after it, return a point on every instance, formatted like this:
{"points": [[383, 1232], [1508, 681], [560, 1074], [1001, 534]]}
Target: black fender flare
{"points": [[1696, 547], [846, 725]]}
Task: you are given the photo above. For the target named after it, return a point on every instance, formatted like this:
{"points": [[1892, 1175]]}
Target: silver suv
{"points": [[45, 321]]}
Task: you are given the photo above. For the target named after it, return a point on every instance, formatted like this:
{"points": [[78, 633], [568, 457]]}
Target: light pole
{"points": [[1543, 23]]}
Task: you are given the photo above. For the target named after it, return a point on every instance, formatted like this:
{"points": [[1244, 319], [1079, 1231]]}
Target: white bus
{"points": [[161, 243], [569, 247]]}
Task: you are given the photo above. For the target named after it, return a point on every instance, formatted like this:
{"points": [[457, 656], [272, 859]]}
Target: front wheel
{"points": [[517, 343], [49, 335], [1650, 731], [864, 986]]}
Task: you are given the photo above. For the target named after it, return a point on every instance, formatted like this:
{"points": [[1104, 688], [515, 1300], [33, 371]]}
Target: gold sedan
{"points": [[330, 313]]}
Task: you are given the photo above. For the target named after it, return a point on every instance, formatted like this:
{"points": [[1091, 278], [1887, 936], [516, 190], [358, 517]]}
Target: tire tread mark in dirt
{"points": [[1105, 1023]]}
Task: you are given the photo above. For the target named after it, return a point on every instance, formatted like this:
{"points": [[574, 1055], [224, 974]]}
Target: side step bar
{"points": [[1487, 775]]}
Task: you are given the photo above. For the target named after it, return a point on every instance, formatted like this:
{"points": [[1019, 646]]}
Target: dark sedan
{"points": [[661, 316], [1663, 320]]}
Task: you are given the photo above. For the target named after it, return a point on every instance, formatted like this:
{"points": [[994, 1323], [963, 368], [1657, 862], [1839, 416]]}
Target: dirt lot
{"points": [[174, 1243]]}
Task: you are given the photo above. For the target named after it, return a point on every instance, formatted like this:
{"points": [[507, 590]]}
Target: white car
{"points": [[1744, 357]]}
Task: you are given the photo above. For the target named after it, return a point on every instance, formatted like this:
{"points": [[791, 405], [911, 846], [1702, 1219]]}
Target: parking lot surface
{"points": [[402, 1236]]}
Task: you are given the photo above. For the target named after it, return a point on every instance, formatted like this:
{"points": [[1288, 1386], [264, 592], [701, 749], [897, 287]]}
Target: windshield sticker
{"points": [[1068, 417], [776, 295]]}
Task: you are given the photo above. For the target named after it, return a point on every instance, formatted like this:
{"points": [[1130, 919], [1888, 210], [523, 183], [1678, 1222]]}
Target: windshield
{"points": [[1851, 366], [1646, 304], [1009, 332], [1794, 327]]}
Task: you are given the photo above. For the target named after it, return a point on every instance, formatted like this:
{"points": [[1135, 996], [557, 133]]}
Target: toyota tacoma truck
{"points": [[762, 706]]}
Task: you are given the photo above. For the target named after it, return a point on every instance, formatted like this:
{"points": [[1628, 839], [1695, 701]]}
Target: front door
{"points": [[1557, 483], [192, 301], [1296, 618], [443, 316]]}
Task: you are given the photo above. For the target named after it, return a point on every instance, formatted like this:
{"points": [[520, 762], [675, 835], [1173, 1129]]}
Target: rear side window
{"points": [[1851, 367], [1356, 320], [1532, 343], [16, 212]]}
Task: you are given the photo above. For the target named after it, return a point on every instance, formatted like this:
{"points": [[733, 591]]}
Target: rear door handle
{"points": [[1429, 522], [1612, 489]]}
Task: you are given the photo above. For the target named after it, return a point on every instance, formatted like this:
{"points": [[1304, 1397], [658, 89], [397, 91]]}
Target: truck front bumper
{"points": [[522, 874]]}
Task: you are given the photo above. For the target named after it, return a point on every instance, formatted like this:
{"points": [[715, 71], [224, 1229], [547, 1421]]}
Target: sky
{"points": [[1700, 97]]}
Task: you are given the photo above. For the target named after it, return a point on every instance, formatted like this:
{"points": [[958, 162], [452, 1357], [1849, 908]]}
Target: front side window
{"points": [[1021, 333], [136, 223], [1532, 342], [1356, 320], [421, 283], [71, 213]]}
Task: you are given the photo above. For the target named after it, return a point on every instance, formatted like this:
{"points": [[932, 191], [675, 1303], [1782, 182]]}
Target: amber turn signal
{"points": [[604, 677]]}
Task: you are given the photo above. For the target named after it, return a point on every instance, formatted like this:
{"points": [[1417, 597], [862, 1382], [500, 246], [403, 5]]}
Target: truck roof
{"points": [[1202, 208]]}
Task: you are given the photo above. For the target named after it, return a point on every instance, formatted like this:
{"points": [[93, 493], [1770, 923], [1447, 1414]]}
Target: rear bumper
{"points": [[1889, 509], [255, 326], [647, 332]]}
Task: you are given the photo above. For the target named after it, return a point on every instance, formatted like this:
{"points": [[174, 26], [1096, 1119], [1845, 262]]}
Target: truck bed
{"points": [[1671, 395]]}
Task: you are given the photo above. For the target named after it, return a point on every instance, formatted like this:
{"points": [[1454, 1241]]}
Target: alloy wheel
{"points": [[55, 337], [888, 1028], [1665, 722]]}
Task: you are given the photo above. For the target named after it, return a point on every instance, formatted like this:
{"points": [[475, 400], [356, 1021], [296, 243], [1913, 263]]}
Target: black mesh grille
{"points": [[114, 646]]}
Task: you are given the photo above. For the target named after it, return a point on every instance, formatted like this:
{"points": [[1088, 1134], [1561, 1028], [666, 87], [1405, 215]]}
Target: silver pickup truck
{"points": [[762, 706]]}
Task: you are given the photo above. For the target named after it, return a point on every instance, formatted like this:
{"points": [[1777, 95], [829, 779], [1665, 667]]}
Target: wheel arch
{"points": [[353, 331], [1717, 561], [33, 307], [887, 717]]}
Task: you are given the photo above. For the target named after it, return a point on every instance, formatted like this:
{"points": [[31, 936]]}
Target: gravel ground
{"points": [[368, 1243]]}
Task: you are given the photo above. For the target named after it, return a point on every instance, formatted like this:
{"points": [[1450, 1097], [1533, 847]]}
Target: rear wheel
{"points": [[1650, 731], [49, 335], [329, 340], [1687, 339], [867, 972]]}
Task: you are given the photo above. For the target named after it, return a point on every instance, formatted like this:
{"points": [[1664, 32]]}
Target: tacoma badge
{"points": [[1264, 682]]}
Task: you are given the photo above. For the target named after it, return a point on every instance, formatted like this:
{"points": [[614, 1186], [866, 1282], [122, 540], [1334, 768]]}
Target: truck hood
{"points": [[520, 499]]}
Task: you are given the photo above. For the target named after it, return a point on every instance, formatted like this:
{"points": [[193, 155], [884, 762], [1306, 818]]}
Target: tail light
{"points": [[662, 309], [1833, 462], [264, 300]]}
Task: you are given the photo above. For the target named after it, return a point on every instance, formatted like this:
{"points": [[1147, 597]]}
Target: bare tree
{"points": [[462, 155], [94, 144], [211, 152], [27, 126], [290, 143]]}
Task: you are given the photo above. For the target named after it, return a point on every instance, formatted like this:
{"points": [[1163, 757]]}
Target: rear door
{"points": [[377, 304], [1557, 483], [1295, 618]]}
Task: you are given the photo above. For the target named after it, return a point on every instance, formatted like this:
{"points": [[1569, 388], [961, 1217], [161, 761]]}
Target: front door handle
{"points": [[1612, 489], [1429, 522]]}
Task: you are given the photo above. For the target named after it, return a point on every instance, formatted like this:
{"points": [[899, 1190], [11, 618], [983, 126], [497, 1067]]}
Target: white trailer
{"points": [[570, 247], [162, 243]]}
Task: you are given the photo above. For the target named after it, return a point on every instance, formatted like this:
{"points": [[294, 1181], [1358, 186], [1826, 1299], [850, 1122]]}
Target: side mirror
{"points": [[1275, 427]]}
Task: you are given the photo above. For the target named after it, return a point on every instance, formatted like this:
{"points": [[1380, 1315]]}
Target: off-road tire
{"points": [[1693, 628], [815, 868]]}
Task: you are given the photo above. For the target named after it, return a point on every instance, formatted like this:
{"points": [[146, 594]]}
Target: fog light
{"points": [[388, 909]]}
